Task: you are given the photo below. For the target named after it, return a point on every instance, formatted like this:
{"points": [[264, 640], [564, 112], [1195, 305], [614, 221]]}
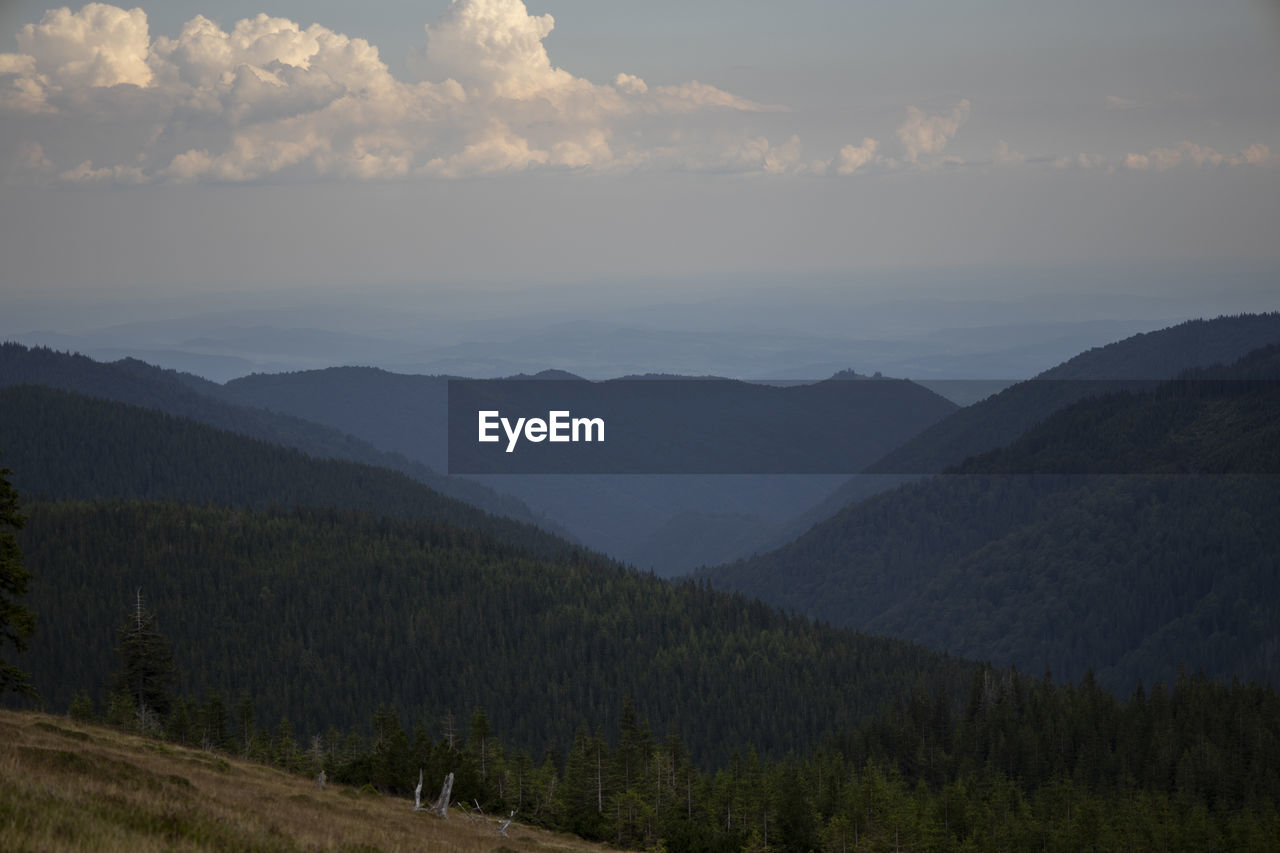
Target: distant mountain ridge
{"points": [[1024, 556], [138, 383], [398, 421], [64, 445], [1143, 358], [325, 586], [631, 517], [992, 419]]}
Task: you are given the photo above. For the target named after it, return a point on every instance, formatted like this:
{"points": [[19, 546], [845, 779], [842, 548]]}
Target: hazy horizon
{"points": [[487, 187]]}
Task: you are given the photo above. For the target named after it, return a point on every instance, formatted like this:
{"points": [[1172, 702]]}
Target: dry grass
{"points": [[68, 786]]}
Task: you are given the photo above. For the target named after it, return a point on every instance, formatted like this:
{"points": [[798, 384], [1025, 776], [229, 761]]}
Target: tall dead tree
{"points": [[441, 806]]}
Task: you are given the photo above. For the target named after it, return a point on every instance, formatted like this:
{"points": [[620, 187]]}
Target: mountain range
{"points": [[1109, 524], [137, 383], [1128, 533], [631, 517], [1125, 531]]}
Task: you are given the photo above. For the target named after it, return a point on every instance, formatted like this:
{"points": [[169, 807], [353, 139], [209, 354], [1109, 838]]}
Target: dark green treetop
{"points": [[17, 623], [146, 672]]}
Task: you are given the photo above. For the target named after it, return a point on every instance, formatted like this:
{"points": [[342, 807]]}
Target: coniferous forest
{"points": [[1119, 534], [996, 761], [1069, 640]]}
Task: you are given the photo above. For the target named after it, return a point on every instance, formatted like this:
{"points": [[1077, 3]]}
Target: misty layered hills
{"points": [[393, 412], [1216, 420], [322, 615], [1130, 533], [140, 384], [66, 445], [1135, 362], [324, 586], [649, 521], [398, 421], [632, 518], [991, 418]]}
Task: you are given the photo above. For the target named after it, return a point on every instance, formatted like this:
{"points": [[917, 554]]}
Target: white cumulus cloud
{"points": [[269, 98], [630, 84], [91, 96], [100, 45], [854, 157], [493, 47], [929, 134]]}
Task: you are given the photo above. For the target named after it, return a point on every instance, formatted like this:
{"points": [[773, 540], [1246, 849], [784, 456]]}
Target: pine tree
{"points": [[17, 623], [480, 742], [213, 722], [633, 747], [579, 794], [244, 720], [178, 725], [81, 708], [284, 747], [146, 674]]}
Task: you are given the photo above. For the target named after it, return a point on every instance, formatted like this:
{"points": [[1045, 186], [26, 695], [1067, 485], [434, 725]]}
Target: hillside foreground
{"points": [[69, 786]]}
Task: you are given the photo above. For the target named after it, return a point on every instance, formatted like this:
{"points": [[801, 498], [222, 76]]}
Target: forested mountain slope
{"points": [[323, 614], [668, 523], [65, 445], [1133, 362], [1136, 363], [1131, 533], [140, 384], [392, 411]]}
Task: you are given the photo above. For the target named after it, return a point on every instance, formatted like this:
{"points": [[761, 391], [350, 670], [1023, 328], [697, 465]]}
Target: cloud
{"points": [[854, 157], [499, 150], [270, 99], [91, 97], [1256, 154], [1005, 156], [690, 96], [1191, 154], [929, 134], [86, 174], [100, 45], [630, 84], [1137, 162], [493, 47], [781, 159], [17, 63], [33, 159], [1079, 161], [1162, 159]]}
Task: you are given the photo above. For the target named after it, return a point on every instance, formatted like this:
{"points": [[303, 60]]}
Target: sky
{"points": [[193, 156]]}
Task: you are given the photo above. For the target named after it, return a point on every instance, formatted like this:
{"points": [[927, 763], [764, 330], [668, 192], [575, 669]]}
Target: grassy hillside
{"points": [[1027, 765], [70, 786]]}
